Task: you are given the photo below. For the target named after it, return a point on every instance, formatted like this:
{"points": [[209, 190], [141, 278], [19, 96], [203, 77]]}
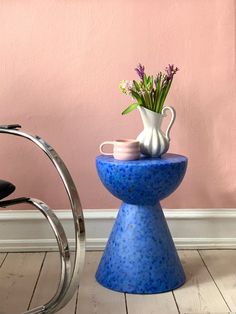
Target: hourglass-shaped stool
{"points": [[140, 256]]}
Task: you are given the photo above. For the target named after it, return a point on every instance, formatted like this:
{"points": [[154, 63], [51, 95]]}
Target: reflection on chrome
{"points": [[70, 272]]}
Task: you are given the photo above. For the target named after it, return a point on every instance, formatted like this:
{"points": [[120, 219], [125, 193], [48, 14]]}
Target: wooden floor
{"points": [[30, 279]]}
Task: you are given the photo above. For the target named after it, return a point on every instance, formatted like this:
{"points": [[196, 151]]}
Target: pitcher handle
{"points": [[173, 113]]}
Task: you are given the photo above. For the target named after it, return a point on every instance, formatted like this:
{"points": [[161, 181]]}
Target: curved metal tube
{"points": [[77, 212], [63, 246]]}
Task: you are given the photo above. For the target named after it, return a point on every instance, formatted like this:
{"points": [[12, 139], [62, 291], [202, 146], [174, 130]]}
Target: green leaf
{"points": [[130, 108], [137, 96], [164, 94], [157, 95], [148, 100], [151, 81], [158, 86], [136, 86], [145, 80], [149, 84]]}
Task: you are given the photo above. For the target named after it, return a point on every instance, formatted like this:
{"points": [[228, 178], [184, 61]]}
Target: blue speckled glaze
{"points": [[140, 256], [144, 181]]}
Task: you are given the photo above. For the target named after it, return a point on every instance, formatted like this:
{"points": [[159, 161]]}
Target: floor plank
{"points": [[48, 282], [93, 298], [199, 293], [151, 304], [18, 276], [222, 266]]}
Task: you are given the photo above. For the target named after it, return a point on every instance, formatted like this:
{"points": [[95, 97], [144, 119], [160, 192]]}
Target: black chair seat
{"points": [[6, 188]]}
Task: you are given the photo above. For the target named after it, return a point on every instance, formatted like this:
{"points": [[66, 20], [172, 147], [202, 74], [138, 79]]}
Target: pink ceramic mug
{"points": [[124, 149]]}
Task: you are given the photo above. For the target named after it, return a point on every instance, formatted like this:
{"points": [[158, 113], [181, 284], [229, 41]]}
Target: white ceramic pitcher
{"points": [[153, 141]]}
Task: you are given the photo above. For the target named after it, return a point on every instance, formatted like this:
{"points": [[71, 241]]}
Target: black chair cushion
{"points": [[6, 188]]}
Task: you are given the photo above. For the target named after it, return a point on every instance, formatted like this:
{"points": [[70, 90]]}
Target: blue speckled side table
{"points": [[140, 256]]}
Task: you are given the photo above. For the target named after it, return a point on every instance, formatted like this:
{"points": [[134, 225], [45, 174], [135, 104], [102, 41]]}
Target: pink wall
{"points": [[60, 65]]}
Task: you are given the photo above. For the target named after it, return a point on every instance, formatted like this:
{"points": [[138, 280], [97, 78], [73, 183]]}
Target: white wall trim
{"points": [[27, 230]]}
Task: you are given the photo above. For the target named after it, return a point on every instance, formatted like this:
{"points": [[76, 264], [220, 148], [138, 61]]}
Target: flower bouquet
{"points": [[149, 93]]}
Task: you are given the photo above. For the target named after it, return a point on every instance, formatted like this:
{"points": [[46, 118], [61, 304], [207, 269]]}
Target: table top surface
{"points": [[144, 161]]}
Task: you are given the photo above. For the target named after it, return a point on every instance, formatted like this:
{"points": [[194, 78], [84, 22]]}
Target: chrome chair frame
{"points": [[70, 272]]}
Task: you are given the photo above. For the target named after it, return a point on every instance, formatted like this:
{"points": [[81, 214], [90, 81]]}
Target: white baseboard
{"points": [[24, 230]]}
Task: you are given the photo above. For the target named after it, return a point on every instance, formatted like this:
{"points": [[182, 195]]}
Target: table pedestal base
{"points": [[140, 256]]}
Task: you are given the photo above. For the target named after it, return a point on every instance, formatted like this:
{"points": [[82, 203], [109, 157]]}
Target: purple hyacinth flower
{"points": [[170, 71], [140, 71], [158, 77]]}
